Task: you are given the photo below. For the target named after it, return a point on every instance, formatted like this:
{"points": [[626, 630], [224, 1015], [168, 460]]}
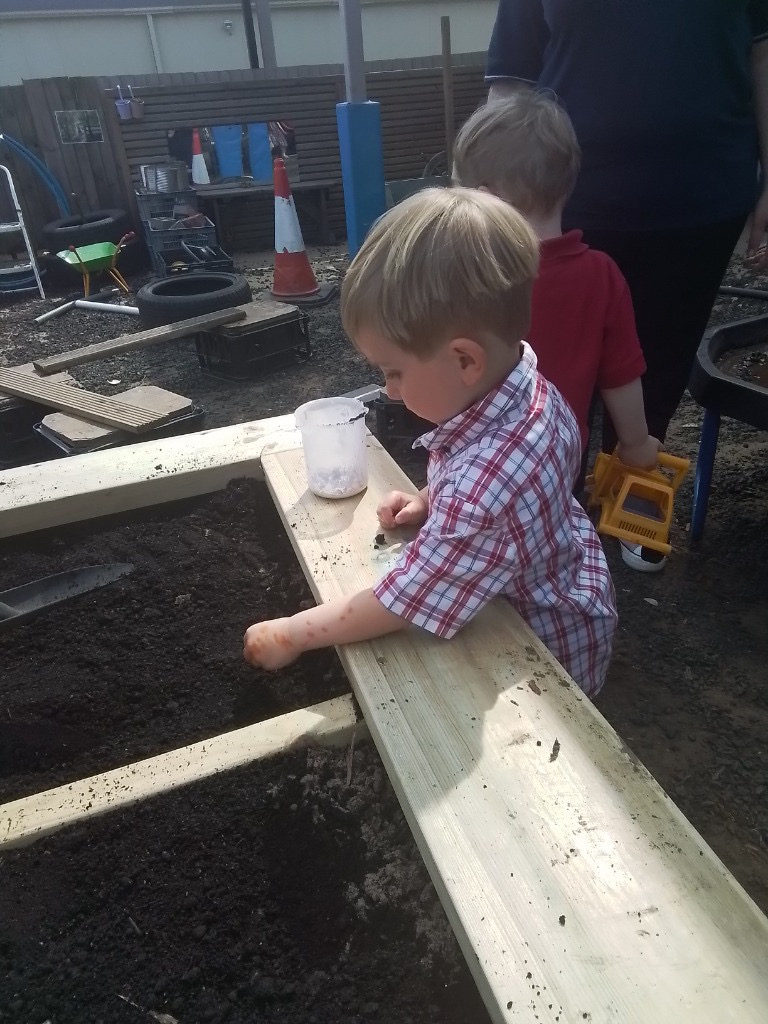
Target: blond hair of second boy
{"points": [[438, 298]]}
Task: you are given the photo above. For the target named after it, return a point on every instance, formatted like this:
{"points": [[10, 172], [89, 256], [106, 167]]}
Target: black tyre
{"points": [[188, 295], [86, 228]]}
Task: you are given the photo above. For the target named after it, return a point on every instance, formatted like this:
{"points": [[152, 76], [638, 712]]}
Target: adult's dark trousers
{"points": [[673, 276]]}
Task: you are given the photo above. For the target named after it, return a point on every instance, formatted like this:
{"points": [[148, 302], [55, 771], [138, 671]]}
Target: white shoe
{"points": [[642, 559]]}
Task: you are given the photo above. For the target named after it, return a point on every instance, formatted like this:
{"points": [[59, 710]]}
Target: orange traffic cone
{"points": [[294, 277], [200, 174]]}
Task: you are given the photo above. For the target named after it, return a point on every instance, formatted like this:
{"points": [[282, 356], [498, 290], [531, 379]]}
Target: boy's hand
{"points": [[401, 509], [641, 456], [269, 644]]}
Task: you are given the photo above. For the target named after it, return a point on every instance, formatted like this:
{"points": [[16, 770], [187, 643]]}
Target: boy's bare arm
{"points": [[277, 642], [625, 406]]}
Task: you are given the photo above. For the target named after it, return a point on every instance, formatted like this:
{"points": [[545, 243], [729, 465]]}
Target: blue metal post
{"points": [[710, 429], [359, 125], [362, 167]]}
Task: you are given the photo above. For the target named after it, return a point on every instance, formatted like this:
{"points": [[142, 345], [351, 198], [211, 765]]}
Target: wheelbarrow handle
{"points": [[125, 239], [73, 249]]}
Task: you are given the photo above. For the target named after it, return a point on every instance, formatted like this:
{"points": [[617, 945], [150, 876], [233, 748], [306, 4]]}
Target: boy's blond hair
{"points": [[443, 264], [522, 148]]}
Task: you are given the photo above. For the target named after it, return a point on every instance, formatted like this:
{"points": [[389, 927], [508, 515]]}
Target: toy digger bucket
{"points": [[636, 505]]}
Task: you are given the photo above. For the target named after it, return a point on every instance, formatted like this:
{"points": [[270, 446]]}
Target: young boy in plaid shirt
{"points": [[439, 299]]}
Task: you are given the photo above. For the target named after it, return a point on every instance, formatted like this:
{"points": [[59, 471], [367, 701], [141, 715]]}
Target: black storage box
{"points": [[245, 352], [394, 422]]}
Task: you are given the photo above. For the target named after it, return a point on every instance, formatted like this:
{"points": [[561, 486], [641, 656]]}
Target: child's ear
{"points": [[471, 359]]}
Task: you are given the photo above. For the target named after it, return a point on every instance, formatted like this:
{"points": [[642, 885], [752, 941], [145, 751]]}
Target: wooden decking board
{"points": [[576, 888], [140, 339], [86, 404]]}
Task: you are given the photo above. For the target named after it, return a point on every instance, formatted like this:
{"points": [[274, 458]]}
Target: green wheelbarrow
{"points": [[89, 259]]}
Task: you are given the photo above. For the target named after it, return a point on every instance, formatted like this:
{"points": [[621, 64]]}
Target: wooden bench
{"points": [[310, 196], [576, 888]]}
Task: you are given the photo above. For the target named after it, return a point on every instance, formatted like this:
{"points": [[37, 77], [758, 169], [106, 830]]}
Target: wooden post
{"points": [[445, 32], [266, 35]]}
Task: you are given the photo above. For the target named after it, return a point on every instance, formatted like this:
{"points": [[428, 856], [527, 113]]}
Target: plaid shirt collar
{"points": [[466, 427]]}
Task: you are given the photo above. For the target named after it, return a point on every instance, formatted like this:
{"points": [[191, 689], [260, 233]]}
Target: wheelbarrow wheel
{"points": [[180, 298], [86, 228]]}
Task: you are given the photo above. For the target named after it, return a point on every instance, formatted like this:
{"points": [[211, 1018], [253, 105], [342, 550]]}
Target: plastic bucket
{"points": [[333, 436], [137, 109], [123, 108]]}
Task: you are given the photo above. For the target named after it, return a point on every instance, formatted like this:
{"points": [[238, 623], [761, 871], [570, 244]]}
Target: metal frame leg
{"points": [[710, 430], [115, 274]]}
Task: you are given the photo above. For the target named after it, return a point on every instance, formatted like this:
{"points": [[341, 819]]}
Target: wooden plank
{"points": [[58, 94], [44, 126], [141, 339], [85, 404], [50, 494], [576, 888], [24, 821]]}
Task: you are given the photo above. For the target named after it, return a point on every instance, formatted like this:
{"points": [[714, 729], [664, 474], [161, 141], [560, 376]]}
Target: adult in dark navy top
{"points": [[669, 99]]}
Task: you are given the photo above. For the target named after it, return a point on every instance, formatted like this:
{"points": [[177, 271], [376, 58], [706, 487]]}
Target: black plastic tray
{"points": [[721, 392]]}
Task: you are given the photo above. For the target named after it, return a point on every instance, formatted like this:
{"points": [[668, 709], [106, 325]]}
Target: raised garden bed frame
{"points": [[576, 888]]}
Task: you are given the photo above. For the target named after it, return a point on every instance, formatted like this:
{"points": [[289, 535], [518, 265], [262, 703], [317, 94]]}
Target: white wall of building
{"points": [[125, 43]]}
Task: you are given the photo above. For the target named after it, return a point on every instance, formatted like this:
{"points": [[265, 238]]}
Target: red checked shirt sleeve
{"points": [[461, 559]]}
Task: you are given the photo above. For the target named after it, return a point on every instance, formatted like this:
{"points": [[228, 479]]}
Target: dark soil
{"points": [[687, 690], [154, 661], [280, 892], [749, 364]]}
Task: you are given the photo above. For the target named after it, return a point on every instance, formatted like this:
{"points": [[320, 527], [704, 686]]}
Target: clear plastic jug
{"points": [[333, 436]]}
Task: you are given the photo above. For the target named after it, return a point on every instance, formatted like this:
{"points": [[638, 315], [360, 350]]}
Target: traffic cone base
{"points": [[294, 277]]}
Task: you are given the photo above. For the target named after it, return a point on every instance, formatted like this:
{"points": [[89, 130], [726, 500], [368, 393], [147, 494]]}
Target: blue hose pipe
{"points": [[41, 170]]}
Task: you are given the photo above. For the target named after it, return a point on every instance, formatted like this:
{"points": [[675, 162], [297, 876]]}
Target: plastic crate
{"points": [[179, 261], [163, 204], [166, 239], [242, 355], [17, 420], [19, 445]]}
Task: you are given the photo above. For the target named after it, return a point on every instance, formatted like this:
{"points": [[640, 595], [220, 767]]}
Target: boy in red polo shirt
{"points": [[438, 298], [524, 150]]}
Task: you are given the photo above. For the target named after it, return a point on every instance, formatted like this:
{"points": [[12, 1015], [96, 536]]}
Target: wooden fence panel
{"points": [[37, 203], [104, 174]]}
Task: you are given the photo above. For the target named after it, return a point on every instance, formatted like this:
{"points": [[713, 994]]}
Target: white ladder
{"points": [[16, 278]]}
